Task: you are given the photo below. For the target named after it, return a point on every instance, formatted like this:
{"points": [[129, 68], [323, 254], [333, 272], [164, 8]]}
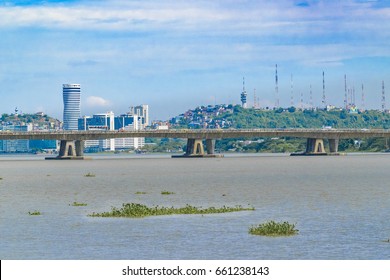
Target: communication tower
{"points": [[254, 99], [292, 93], [311, 99], [383, 97], [323, 90], [363, 98], [243, 94], [276, 87], [346, 94]]}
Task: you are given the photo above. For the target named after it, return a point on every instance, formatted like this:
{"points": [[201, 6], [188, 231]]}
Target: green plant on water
{"points": [[78, 204], [89, 174], [167, 193], [273, 228], [140, 193], [136, 210], [34, 213]]}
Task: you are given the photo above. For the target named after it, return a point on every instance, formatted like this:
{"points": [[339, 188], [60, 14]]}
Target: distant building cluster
{"points": [[136, 119], [23, 122], [204, 117]]}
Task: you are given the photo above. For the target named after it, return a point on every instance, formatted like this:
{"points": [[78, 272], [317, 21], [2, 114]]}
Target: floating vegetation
{"points": [[167, 193], [78, 204], [272, 228], [35, 213], [140, 193], [89, 175], [135, 210]]}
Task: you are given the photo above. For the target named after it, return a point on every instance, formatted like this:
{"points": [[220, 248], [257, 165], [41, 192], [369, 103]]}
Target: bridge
{"points": [[72, 142]]}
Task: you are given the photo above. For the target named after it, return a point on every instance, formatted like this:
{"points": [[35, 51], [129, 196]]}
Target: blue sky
{"points": [[176, 55]]}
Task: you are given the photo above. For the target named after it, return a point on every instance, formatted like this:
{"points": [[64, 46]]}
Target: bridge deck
{"points": [[198, 134]]}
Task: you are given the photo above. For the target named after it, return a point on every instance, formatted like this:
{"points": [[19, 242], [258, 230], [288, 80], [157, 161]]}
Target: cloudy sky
{"points": [[175, 55]]}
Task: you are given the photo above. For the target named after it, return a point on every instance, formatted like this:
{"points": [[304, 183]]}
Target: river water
{"points": [[340, 204]]}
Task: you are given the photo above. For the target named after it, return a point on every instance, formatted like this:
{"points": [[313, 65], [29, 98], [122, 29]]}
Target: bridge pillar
{"points": [[195, 148], [70, 149], [210, 146], [333, 146], [315, 146]]}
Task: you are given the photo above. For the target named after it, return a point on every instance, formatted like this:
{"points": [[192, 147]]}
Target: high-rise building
{"points": [[71, 95], [143, 112]]}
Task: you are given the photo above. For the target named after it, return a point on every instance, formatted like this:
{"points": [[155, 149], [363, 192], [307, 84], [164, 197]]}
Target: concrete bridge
{"points": [[72, 142]]}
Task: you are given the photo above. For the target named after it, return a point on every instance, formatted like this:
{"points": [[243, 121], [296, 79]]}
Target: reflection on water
{"points": [[341, 206]]}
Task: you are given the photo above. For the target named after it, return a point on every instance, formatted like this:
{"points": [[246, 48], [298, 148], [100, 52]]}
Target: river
{"points": [[340, 205]]}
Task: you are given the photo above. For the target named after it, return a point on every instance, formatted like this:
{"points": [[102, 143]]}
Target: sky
{"points": [[176, 55]]}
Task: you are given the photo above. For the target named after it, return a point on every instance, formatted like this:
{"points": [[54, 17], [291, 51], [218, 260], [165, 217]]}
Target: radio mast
{"points": [[276, 87], [323, 90], [383, 97]]}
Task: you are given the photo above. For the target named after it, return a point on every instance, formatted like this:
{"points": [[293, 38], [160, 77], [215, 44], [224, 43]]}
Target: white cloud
{"points": [[96, 101]]}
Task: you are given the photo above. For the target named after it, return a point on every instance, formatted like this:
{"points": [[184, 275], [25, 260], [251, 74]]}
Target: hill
{"points": [[292, 118], [38, 120], [222, 116]]}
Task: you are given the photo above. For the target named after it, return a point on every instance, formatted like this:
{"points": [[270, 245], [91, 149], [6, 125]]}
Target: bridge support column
{"points": [[333, 146], [195, 148], [315, 146], [70, 149], [210, 146]]}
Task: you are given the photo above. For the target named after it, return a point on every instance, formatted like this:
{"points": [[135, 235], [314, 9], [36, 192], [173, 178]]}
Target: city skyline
{"points": [[176, 56]]}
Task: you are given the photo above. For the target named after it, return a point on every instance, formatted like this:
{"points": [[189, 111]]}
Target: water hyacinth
{"points": [[75, 203], [273, 228], [135, 210], [167, 193]]}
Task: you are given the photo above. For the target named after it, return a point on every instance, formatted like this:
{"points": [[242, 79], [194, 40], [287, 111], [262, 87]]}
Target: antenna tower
{"points": [[346, 94], [383, 97], [292, 92], [243, 94], [311, 99], [276, 87], [301, 101], [363, 99], [323, 90], [254, 99]]}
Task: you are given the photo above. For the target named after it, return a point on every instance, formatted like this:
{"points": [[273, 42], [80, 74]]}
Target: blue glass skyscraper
{"points": [[71, 95]]}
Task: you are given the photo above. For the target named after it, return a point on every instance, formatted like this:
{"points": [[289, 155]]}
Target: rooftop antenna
{"points": [[383, 97], [345, 94], [323, 90], [243, 94], [353, 96], [292, 92], [276, 87], [301, 101]]}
